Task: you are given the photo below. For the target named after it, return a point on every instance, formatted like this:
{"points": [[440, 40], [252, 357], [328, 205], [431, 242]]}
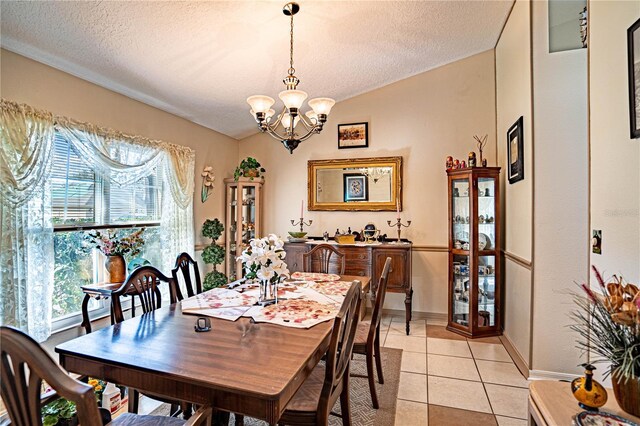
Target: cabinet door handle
{"points": [[361, 256]]}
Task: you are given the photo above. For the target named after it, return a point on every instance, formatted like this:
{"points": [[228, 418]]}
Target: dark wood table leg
{"points": [[407, 305], [86, 322]]}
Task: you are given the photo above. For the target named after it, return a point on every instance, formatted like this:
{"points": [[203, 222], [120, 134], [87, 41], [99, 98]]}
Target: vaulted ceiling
{"points": [[201, 59]]}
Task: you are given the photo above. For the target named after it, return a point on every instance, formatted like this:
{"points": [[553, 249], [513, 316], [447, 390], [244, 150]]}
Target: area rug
{"points": [[362, 413]]}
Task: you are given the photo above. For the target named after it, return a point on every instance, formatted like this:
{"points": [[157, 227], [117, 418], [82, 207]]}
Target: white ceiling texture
{"points": [[202, 59]]}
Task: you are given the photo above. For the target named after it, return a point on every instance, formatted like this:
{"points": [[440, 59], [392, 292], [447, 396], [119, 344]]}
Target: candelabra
{"points": [[399, 225], [302, 223]]}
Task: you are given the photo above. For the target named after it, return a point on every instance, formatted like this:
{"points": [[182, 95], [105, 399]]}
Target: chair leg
{"points": [[379, 362], [134, 399], [372, 380], [239, 419], [345, 407], [187, 410]]}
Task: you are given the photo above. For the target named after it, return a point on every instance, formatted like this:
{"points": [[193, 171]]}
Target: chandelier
{"points": [[290, 117]]}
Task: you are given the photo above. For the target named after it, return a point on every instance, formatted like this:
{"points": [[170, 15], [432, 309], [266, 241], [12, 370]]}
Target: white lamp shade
{"points": [[312, 116], [260, 103], [286, 120], [268, 114], [292, 98], [322, 105]]}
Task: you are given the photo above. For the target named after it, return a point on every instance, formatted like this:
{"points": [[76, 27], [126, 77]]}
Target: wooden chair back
{"points": [[24, 366], [340, 349], [143, 283], [320, 259], [186, 264], [379, 292]]}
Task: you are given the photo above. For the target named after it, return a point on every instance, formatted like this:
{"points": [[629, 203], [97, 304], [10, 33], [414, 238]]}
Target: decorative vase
{"points": [[627, 394], [268, 292], [590, 394], [116, 267]]}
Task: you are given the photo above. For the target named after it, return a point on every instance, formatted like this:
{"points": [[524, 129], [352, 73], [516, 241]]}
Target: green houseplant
{"points": [[213, 254], [249, 167]]}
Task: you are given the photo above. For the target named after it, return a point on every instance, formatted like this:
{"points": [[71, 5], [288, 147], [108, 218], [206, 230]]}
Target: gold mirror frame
{"points": [[396, 189]]}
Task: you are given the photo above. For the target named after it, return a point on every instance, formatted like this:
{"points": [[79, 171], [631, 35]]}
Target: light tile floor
{"points": [[449, 380]]}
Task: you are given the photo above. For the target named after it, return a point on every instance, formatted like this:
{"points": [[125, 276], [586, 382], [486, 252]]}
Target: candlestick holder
{"points": [[399, 225], [302, 223]]}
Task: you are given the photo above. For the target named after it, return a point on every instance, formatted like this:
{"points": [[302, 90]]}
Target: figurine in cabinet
{"points": [[449, 163]]}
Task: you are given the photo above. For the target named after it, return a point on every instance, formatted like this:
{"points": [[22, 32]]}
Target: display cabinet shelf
{"points": [[474, 252]]}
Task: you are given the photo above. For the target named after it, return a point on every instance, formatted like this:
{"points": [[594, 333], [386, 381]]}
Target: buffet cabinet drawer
{"points": [[361, 255]]}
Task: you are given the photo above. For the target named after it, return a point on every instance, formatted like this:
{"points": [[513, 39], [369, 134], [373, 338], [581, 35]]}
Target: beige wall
{"points": [[513, 99], [615, 175], [27, 81], [560, 194], [423, 119]]}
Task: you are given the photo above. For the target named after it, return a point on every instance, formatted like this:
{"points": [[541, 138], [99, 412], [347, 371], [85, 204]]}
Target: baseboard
{"points": [[518, 359], [551, 375], [432, 317]]}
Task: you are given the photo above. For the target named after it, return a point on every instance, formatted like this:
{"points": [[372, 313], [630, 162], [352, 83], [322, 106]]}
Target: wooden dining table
{"points": [[239, 366]]}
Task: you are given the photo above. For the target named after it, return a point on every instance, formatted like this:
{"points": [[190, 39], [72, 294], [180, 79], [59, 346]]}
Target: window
{"points": [[83, 200]]}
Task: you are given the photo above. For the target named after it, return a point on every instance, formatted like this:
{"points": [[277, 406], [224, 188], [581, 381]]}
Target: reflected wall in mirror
{"points": [[360, 184]]}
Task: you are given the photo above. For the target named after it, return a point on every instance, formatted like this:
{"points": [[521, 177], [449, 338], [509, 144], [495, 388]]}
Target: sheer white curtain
{"points": [[124, 159], [26, 229]]}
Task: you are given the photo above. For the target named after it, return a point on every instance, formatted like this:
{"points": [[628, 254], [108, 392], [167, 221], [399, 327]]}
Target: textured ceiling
{"points": [[202, 59]]}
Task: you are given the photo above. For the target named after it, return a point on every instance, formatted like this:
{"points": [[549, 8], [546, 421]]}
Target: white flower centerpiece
{"points": [[263, 261]]}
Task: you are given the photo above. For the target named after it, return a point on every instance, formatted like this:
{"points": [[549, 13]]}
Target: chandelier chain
{"points": [[291, 69]]}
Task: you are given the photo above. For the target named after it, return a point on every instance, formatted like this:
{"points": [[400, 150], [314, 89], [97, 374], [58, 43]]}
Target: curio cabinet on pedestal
{"points": [[243, 211], [474, 252]]}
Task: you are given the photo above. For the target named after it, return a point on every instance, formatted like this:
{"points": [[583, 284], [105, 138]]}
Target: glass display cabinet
{"points": [[474, 252], [243, 214]]}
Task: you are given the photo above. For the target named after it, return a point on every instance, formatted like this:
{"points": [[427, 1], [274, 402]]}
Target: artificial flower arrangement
{"points": [[207, 182], [111, 244], [263, 261], [608, 324]]}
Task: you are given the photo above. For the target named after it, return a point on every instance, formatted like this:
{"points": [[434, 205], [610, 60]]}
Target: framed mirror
{"points": [[355, 184]]}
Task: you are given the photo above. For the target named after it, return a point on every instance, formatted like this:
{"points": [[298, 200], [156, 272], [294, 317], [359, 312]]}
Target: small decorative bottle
{"points": [[590, 394]]}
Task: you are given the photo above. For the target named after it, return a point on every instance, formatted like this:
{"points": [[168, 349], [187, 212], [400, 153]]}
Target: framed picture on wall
{"points": [[515, 152], [355, 187], [353, 135], [633, 47]]}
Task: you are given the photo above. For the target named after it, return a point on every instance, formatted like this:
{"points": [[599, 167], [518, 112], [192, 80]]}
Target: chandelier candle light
{"points": [[293, 99]]}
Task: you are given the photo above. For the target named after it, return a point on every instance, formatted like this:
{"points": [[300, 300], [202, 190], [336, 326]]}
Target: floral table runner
{"points": [[300, 304], [314, 276]]}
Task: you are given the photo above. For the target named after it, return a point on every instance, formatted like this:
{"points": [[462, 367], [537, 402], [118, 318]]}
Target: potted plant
{"points": [[60, 412], [249, 167], [115, 247], [608, 325], [213, 254]]}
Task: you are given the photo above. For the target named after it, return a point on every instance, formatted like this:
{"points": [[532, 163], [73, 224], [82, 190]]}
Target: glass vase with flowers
{"points": [[263, 261]]}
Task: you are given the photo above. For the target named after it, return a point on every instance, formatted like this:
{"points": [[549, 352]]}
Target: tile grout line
{"points": [[482, 381]]}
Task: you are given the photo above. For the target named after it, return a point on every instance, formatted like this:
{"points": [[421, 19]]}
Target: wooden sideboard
{"points": [[367, 260]]}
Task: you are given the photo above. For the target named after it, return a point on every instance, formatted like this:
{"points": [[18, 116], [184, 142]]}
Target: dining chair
{"points": [[143, 284], [367, 341], [189, 269], [312, 403], [319, 259], [25, 365]]}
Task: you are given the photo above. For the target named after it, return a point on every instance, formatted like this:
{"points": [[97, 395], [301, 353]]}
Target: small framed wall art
{"points": [[515, 152], [355, 187], [353, 135], [633, 46]]}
